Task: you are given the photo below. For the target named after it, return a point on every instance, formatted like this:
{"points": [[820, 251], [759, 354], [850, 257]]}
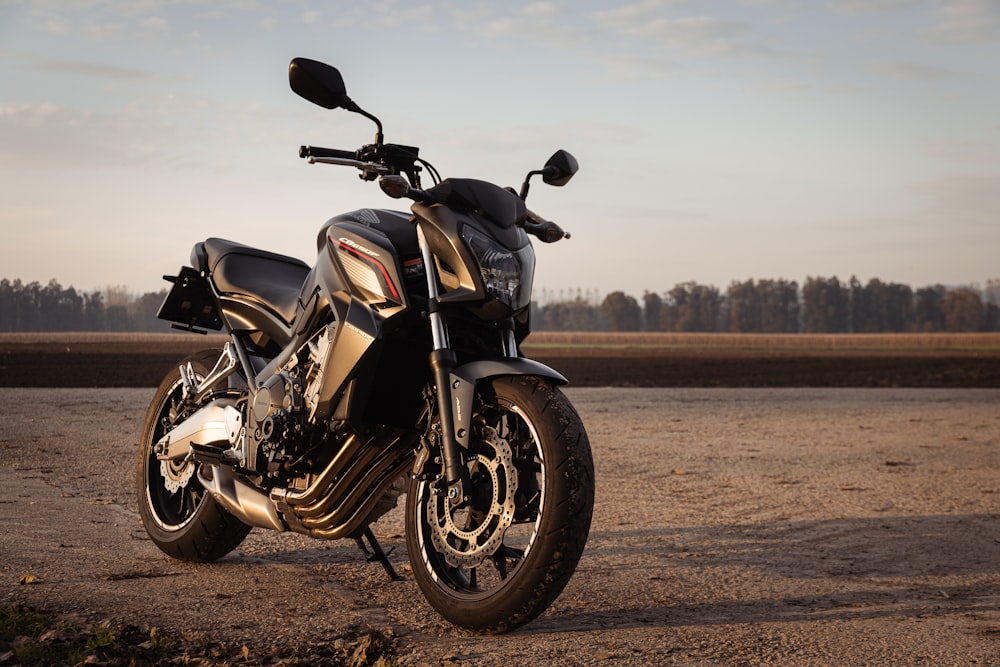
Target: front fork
{"points": [[456, 385], [443, 361]]}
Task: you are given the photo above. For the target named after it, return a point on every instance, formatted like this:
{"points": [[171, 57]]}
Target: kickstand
{"points": [[377, 554]]}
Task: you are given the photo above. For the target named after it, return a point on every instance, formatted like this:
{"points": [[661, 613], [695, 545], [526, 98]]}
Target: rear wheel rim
{"points": [[173, 492]]}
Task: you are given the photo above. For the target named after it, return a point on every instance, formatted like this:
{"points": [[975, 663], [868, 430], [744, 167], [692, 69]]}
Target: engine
{"points": [[279, 432]]}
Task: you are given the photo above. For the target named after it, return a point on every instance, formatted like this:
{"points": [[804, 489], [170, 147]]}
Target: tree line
{"points": [[819, 305], [51, 307]]}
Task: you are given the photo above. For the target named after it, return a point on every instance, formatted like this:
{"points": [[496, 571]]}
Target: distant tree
{"points": [[31, 307], [652, 311], [991, 293], [963, 310], [824, 306], [928, 308], [692, 307], [881, 307], [992, 322], [622, 312], [767, 306], [60, 309], [897, 308], [142, 311], [991, 300], [744, 307], [8, 302], [93, 312], [781, 306], [577, 314], [860, 309]]}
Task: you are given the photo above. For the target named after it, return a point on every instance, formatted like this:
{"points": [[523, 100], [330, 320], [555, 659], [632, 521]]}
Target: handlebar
{"points": [[373, 160], [397, 187], [317, 152], [369, 170]]}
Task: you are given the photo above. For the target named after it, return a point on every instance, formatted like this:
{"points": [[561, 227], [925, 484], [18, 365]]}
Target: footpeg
{"points": [[213, 455]]}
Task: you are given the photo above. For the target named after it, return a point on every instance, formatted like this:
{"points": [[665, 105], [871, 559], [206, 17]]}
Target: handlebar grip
{"points": [[316, 151], [546, 230]]}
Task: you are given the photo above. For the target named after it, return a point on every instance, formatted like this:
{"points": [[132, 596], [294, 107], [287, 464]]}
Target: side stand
{"points": [[376, 553]]}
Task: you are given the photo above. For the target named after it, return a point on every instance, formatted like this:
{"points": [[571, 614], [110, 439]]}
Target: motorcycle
{"points": [[393, 365]]}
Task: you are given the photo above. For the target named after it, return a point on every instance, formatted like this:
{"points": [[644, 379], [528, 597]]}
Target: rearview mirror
{"points": [[319, 83], [560, 168]]}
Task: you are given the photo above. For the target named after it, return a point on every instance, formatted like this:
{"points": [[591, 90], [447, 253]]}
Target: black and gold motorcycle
{"points": [[391, 366]]}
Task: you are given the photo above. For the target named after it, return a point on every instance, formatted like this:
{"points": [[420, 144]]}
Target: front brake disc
{"points": [[485, 520]]}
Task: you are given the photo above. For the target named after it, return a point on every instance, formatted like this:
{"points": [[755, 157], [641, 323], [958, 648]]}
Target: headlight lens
{"points": [[506, 273]]}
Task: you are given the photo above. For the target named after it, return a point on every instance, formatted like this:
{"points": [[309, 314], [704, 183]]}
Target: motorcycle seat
{"points": [[238, 270]]}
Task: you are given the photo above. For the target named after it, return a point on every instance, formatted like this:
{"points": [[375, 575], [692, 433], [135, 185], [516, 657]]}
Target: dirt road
{"points": [[732, 526]]}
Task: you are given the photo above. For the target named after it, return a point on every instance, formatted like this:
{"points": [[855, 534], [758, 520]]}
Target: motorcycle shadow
{"points": [[789, 571]]}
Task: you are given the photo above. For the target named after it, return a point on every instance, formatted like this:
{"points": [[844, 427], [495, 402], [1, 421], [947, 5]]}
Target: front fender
{"points": [[464, 379]]}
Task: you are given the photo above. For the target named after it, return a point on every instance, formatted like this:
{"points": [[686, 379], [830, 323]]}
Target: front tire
{"points": [[498, 561], [180, 517]]}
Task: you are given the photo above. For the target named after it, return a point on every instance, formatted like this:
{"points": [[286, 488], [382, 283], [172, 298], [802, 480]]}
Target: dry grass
{"points": [[552, 341], [98, 337]]}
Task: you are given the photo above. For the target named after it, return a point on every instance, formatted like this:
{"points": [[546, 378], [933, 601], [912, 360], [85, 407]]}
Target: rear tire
{"points": [[499, 561], [181, 518]]}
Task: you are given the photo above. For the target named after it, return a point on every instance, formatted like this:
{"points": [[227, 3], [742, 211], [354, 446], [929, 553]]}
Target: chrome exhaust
{"points": [[241, 500]]}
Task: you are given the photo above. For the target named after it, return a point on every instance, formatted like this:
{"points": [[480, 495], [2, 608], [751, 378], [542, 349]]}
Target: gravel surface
{"points": [[732, 526]]}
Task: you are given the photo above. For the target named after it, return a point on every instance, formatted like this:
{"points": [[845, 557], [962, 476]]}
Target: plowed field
{"points": [[588, 360]]}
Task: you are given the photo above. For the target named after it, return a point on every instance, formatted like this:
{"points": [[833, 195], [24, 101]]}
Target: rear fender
{"points": [[464, 379]]}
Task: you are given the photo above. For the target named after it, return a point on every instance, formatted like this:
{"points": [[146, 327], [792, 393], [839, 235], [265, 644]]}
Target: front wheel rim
{"points": [[473, 551]]}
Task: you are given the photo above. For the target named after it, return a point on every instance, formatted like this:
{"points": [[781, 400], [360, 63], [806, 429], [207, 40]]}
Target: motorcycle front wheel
{"points": [[178, 514], [497, 559]]}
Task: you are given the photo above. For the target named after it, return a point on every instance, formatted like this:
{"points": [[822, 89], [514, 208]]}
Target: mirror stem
{"points": [[378, 126], [524, 186]]}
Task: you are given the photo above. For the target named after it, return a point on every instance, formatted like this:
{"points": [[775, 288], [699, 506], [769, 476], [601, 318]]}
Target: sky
{"points": [[717, 141]]}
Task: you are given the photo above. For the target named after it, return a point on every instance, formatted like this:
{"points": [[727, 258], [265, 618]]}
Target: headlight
{"points": [[507, 274]]}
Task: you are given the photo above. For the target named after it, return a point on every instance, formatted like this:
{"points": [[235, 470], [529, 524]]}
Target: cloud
{"points": [[964, 200], [420, 16], [858, 7], [656, 26], [545, 10], [160, 129], [155, 25], [32, 134], [96, 70], [910, 71], [26, 115], [968, 21], [961, 151], [141, 19]]}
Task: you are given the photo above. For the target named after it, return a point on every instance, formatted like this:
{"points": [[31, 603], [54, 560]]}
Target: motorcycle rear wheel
{"points": [[180, 517], [498, 561]]}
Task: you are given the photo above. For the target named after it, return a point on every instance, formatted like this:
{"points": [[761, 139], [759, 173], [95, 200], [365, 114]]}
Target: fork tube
{"points": [[442, 361], [439, 329]]}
